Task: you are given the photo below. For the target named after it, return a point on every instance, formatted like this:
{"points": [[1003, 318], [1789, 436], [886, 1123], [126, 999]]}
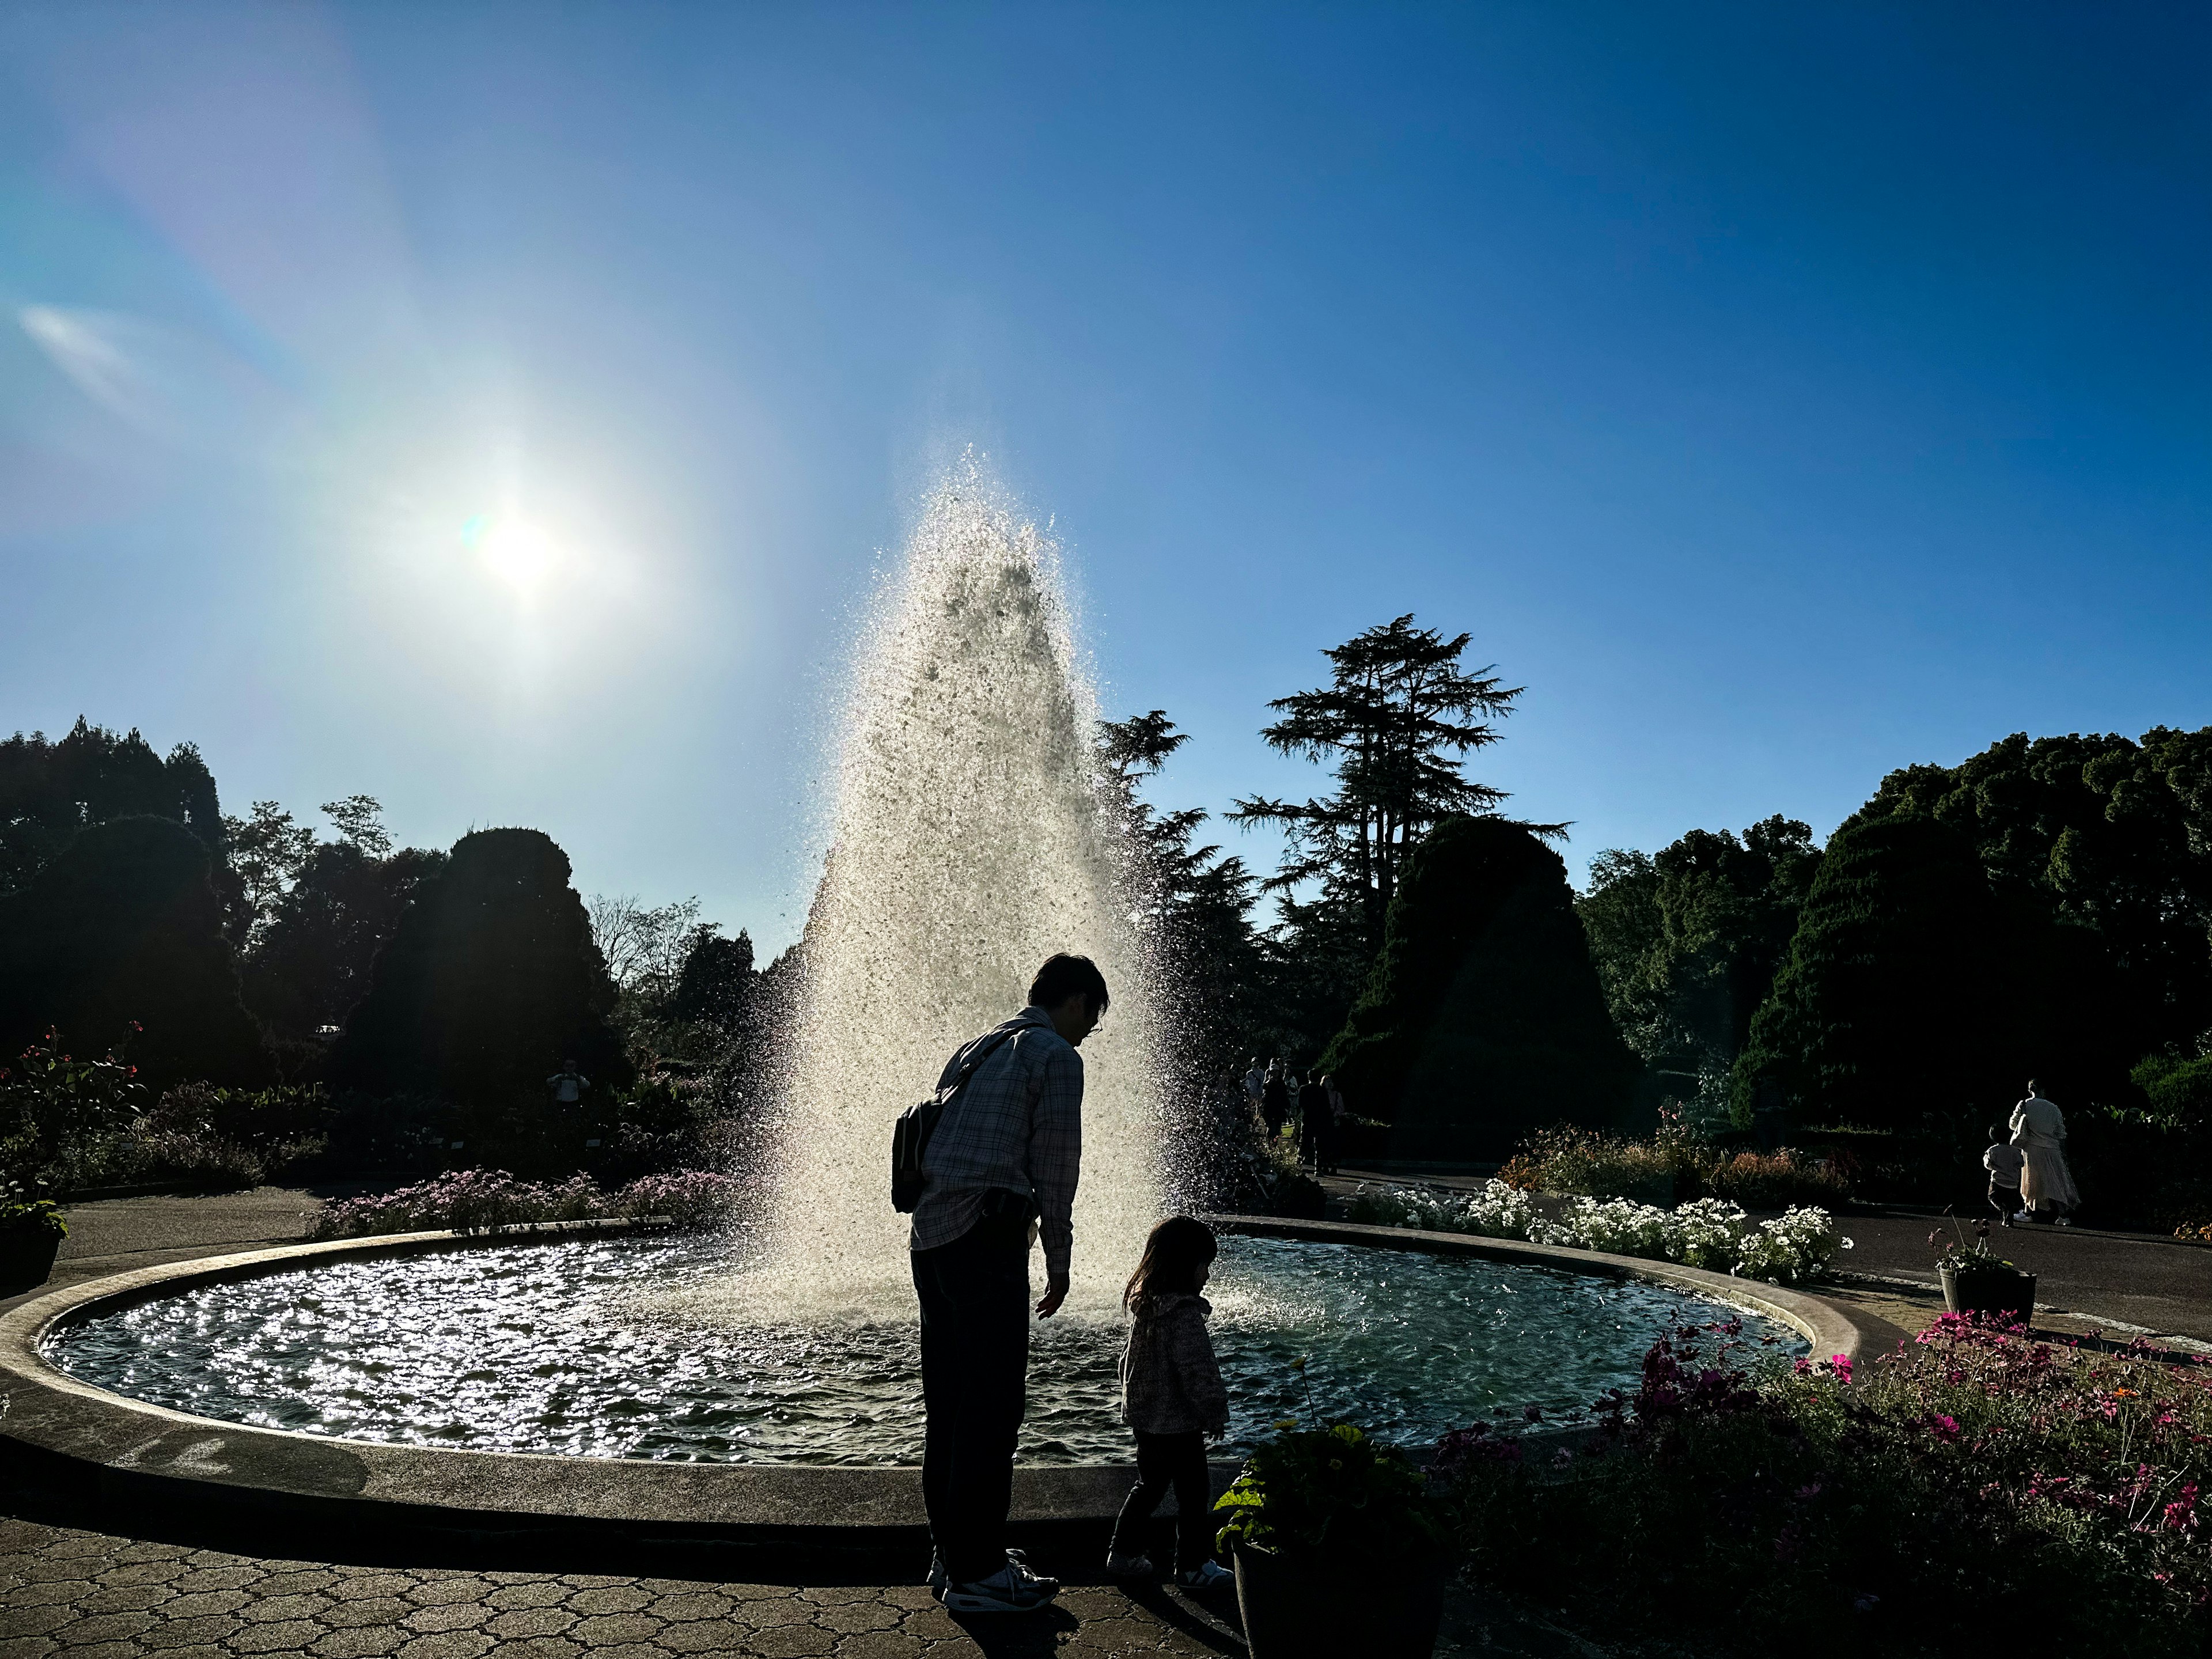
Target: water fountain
{"points": [[967, 846]]}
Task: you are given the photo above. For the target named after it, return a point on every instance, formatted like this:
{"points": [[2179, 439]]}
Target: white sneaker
{"points": [[1206, 1575], [1012, 1588], [2023, 1215], [1130, 1566], [2063, 1221]]}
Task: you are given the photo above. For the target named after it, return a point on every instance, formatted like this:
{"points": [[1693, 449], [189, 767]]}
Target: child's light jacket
{"points": [[1170, 1382]]}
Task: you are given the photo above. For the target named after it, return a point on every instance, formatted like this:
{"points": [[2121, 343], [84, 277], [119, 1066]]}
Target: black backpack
{"points": [[910, 1134]]}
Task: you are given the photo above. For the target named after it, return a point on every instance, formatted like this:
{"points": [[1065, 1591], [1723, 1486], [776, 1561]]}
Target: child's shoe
{"points": [[1130, 1566], [1206, 1575]]}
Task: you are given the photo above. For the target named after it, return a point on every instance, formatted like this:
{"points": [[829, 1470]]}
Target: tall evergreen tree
{"points": [[2109, 842], [1196, 903], [1395, 722]]}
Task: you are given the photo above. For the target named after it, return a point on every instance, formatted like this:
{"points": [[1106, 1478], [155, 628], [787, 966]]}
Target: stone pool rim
{"points": [[131, 1447]]}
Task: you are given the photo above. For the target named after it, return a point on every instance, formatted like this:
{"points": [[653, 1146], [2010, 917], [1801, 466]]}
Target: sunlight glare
{"points": [[513, 549]]}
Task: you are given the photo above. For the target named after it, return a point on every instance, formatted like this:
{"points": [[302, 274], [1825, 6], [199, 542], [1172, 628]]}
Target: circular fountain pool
{"points": [[615, 1348]]}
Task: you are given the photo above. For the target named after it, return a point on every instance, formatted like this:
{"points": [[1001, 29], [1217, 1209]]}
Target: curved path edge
{"points": [[137, 1452]]}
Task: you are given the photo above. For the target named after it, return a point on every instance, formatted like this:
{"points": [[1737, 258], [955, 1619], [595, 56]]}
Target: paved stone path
{"points": [[90, 1596]]}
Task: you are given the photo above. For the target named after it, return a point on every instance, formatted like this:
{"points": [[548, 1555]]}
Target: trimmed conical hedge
{"points": [[1483, 1017], [1910, 989], [489, 982]]}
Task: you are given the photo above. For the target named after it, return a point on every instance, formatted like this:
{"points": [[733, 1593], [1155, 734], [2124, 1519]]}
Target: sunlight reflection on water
{"points": [[608, 1348]]}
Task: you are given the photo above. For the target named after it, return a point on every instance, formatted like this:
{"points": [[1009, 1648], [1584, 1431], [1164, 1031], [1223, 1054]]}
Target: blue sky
{"points": [[1781, 394]]}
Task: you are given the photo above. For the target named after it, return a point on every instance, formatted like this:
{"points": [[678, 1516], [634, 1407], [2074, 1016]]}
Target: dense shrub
{"points": [[1675, 1166], [2179, 1091], [490, 981], [1710, 1233], [1774, 1181], [1886, 1514], [51, 1100], [1907, 989], [492, 1200], [121, 930], [1483, 1016]]}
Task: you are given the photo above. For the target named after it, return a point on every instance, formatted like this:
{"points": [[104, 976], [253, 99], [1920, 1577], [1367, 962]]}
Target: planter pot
{"points": [[27, 1256], [1987, 1291], [1300, 1609]]}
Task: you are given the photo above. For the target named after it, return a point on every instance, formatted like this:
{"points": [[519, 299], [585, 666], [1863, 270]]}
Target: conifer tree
{"points": [[1395, 722]]}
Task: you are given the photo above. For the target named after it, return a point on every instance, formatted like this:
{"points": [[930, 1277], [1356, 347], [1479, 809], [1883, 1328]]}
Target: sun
{"points": [[513, 549]]}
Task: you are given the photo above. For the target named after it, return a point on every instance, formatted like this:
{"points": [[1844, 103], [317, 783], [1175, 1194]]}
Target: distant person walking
{"points": [[1317, 1125], [2046, 1185], [568, 1083], [1275, 1099], [2004, 1162], [1255, 1084], [1005, 1155]]}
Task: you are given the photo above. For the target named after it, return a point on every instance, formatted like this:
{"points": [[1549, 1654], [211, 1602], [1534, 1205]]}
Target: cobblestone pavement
{"points": [[80, 1594], [74, 1594]]}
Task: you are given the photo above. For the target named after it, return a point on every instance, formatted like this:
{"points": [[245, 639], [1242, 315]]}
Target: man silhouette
{"points": [[1007, 1153]]}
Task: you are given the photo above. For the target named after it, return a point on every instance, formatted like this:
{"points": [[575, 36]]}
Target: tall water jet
{"points": [[969, 844]]}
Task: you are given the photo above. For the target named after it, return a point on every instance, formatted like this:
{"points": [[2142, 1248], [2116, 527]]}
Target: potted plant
{"points": [[1977, 1280], [1318, 1519], [31, 1230]]}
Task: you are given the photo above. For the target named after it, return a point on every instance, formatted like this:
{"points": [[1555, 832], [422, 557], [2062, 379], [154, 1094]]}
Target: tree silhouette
{"points": [[1394, 721]]}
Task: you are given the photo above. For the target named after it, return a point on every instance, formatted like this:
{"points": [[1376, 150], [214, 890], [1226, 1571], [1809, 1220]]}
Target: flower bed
{"points": [[492, 1200], [1709, 1232], [1975, 1470]]}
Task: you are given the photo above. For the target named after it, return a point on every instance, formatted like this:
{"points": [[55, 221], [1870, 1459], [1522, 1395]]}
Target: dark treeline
{"points": [[2043, 908]]}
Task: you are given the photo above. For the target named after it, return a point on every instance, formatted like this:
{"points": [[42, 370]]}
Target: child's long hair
{"points": [[1177, 1249]]}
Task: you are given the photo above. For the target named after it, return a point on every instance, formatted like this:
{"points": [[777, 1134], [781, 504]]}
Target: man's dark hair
{"points": [[1064, 976]]}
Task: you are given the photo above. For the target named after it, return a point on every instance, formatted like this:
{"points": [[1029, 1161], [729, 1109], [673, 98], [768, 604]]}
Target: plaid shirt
{"points": [[1018, 1125]]}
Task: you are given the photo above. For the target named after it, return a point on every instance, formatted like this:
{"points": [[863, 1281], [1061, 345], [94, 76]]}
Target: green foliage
{"points": [[1677, 1165], [122, 926], [2103, 846], [22, 1213], [1910, 990], [1820, 1514], [50, 791], [1483, 1016], [491, 980], [310, 963], [48, 1099], [1394, 720], [1222, 996], [1335, 1493], [2179, 1091], [1687, 944]]}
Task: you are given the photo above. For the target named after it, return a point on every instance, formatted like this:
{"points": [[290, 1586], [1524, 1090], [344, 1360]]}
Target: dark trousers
{"points": [[1165, 1461], [2005, 1199], [975, 1296]]}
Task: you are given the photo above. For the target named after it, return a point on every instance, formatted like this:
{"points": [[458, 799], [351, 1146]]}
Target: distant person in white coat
{"points": [[2046, 1185]]}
